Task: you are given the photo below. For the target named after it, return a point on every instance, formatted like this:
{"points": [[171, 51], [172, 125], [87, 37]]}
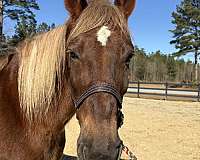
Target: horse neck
{"points": [[54, 119], [11, 119], [59, 113]]}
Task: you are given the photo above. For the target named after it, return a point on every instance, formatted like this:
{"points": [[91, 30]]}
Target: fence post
{"points": [[138, 90], [198, 98], [166, 89]]}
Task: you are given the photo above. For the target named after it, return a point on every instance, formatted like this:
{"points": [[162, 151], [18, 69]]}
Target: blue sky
{"points": [[149, 24]]}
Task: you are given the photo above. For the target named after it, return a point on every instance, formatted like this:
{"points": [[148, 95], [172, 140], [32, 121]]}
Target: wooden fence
{"points": [[165, 90]]}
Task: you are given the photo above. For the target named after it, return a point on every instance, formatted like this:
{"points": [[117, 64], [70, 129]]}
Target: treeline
{"points": [[145, 66], [23, 30], [160, 67], [22, 15]]}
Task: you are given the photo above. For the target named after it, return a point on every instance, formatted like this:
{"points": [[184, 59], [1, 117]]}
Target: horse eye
{"points": [[128, 58], [73, 55]]}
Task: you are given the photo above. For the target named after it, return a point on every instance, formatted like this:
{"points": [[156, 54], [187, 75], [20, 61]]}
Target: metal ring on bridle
{"points": [[96, 88]]}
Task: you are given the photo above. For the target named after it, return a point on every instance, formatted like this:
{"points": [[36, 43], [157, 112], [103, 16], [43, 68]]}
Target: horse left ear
{"points": [[75, 7], [127, 6]]}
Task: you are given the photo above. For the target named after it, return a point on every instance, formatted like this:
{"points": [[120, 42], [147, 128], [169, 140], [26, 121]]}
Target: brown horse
{"points": [[80, 67]]}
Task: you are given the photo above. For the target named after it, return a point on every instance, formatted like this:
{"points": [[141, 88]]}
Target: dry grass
{"points": [[155, 130]]}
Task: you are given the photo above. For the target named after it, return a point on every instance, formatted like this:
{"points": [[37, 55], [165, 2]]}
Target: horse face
{"points": [[100, 55], [93, 63]]}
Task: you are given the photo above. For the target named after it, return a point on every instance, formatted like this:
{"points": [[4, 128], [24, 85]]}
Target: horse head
{"points": [[98, 49]]}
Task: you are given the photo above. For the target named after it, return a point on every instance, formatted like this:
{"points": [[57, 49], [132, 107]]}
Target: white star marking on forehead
{"points": [[103, 34]]}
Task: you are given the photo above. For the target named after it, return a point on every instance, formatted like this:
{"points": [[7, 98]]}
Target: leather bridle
{"points": [[107, 88], [102, 87], [96, 88]]}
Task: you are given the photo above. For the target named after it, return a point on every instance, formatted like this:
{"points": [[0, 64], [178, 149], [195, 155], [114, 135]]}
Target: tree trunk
{"points": [[196, 65], [1, 20]]}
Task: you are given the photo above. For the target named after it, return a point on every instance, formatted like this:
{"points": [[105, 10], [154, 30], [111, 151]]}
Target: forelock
{"points": [[98, 14]]}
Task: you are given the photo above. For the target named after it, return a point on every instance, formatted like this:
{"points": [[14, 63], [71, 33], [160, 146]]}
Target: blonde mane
{"points": [[42, 59]]}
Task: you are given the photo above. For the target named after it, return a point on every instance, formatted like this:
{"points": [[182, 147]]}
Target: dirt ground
{"points": [[155, 129]]}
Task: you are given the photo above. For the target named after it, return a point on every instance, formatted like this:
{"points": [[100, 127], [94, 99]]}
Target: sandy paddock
{"points": [[155, 130]]}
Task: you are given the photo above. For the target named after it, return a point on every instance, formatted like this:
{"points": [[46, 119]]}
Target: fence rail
{"points": [[168, 90]]}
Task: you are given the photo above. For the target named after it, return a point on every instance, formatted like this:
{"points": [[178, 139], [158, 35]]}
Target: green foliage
{"points": [[18, 9], [187, 27], [22, 12], [158, 66], [187, 30], [24, 29], [44, 27], [27, 29]]}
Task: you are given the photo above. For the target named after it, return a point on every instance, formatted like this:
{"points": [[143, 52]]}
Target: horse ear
{"points": [[127, 6], [75, 7]]}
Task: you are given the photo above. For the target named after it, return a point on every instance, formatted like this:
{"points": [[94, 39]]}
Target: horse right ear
{"points": [[127, 6], [75, 7]]}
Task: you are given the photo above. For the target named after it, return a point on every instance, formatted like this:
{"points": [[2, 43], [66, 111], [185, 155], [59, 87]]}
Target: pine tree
{"points": [[27, 29], [44, 27], [23, 29], [1, 20], [187, 30], [16, 10]]}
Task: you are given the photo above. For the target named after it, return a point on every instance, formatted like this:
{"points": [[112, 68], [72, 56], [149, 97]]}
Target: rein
{"points": [[124, 148]]}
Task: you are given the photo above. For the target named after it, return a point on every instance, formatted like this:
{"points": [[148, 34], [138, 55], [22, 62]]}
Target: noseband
{"points": [[96, 88], [107, 88]]}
